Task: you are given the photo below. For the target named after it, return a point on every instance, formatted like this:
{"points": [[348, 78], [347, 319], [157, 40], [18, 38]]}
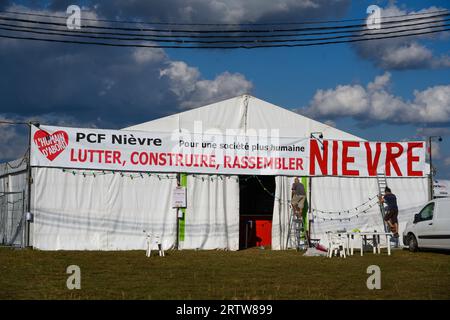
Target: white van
{"points": [[430, 228]]}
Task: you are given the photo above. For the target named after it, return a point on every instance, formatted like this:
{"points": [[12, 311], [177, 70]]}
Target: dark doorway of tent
{"points": [[256, 211]]}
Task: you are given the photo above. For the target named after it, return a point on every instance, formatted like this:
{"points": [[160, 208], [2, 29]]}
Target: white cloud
{"points": [[404, 56], [118, 84], [192, 91], [433, 131], [343, 100], [375, 102], [182, 77], [407, 52], [380, 82], [149, 55], [221, 11], [433, 104]]}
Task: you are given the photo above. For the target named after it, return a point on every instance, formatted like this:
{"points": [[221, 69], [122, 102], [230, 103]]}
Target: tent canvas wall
{"points": [[109, 212]]}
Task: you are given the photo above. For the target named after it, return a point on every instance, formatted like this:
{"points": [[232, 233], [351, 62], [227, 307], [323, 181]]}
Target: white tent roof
{"points": [[246, 114]]}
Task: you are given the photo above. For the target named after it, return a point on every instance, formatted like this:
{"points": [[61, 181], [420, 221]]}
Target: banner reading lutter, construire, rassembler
{"points": [[94, 149]]}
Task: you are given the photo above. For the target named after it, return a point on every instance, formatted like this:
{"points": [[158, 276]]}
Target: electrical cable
{"points": [[68, 33], [218, 24], [218, 36], [224, 31], [222, 47]]}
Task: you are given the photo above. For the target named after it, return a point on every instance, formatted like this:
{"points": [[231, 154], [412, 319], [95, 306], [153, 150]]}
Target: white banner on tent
{"points": [[95, 149], [167, 152], [367, 159]]}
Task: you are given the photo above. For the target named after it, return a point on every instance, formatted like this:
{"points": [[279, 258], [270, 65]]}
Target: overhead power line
{"points": [[223, 47], [50, 31], [220, 24], [69, 34], [156, 37], [274, 30]]}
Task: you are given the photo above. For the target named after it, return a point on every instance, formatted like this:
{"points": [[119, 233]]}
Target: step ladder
{"points": [[296, 232], [382, 184]]}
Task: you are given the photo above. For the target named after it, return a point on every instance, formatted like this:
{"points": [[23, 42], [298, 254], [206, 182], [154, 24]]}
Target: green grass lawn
{"points": [[247, 274]]}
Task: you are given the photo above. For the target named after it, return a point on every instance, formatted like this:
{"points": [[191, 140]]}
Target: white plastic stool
{"points": [[336, 245], [153, 239]]}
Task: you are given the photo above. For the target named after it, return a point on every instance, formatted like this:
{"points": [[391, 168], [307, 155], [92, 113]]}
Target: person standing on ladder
{"points": [[298, 197], [392, 210]]}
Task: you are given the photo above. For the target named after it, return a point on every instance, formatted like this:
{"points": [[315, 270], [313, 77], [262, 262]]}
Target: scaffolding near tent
{"points": [[13, 203]]}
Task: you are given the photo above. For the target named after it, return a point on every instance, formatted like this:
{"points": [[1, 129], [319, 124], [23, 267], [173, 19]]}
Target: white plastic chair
{"points": [[153, 239], [337, 243]]}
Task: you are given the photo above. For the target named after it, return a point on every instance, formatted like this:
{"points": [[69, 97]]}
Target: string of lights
{"points": [[356, 212], [348, 210], [214, 178], [359, 210], [340, 218], [280, 200], [142, 175], [264, 187], [316, 213], [132, 176]]}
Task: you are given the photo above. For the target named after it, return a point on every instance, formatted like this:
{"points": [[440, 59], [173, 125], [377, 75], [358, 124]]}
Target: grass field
{"points": [[247, 274]]}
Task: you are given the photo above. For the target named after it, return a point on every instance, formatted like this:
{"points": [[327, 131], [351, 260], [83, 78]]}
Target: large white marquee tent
{"points": [[110, 212]]}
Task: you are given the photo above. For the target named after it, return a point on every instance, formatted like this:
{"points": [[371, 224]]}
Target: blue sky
{"points": [[289, 77]]}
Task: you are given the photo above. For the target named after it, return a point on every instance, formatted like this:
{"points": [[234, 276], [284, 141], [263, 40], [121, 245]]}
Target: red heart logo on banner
{"points": [[51, 145]]}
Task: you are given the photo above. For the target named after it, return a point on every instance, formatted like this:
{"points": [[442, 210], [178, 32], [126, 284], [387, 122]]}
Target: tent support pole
{"points": [[309, 211], [430, 193], [29, 182], [178, 231], [312, 136], [24, 217], [177, 243]]}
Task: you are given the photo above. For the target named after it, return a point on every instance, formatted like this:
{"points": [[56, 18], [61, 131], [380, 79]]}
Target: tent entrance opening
{"points": [[256, 211]]}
